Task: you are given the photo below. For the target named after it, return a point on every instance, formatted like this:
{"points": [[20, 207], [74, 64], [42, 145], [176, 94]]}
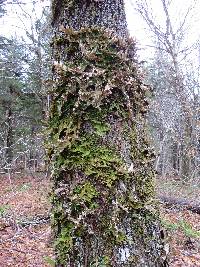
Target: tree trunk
{"points": [[186, 170], [9, 133], [104, 213]]}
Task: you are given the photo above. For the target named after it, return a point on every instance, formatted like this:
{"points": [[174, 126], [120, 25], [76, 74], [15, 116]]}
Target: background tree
{"points": [[24, 69], [104, 213], [2, 8], [175, 101]]}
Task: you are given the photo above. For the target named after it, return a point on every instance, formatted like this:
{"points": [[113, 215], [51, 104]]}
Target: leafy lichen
{"points": [[101, 164]]}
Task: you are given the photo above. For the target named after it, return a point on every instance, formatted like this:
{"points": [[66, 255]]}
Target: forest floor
{"points": [[25, 234]]}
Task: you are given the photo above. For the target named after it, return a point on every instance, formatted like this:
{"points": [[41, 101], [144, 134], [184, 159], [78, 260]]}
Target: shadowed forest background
{"points": [[170, 65]]}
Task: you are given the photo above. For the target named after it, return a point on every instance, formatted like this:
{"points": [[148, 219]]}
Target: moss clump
{"points": [[101, 164], [95, 161]]}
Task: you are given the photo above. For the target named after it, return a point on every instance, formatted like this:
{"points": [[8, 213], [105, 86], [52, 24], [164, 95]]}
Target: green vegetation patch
{"points": [[183, 226], [4, 209]]}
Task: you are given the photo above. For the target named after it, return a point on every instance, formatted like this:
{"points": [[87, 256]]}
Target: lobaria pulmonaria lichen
{"points": [[103, 207]]}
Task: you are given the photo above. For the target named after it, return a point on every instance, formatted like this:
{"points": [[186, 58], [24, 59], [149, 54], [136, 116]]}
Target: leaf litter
{"points": [[25, 233]]}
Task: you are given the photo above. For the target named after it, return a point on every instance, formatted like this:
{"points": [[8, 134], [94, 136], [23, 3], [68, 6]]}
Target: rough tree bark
{"points": [[104, 212]]}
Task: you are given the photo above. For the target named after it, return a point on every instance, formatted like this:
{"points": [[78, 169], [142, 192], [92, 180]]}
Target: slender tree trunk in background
{"points": [[104, 212], [175, 157], [186, 159], [9, 134]]}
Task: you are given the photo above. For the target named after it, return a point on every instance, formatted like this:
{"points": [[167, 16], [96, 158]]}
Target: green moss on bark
{"points": [[101, 164]]}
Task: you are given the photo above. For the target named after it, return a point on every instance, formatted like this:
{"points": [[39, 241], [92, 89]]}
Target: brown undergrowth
{"points": [[183, 225], [24, 225], [25, 229]]}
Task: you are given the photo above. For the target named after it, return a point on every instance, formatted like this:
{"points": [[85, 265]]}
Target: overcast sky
{"points": [[177, 11], [13, 22]]}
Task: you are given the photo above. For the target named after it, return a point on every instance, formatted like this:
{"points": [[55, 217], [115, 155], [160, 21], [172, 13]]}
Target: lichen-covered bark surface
{"points": [[77, 14], [104, 213]]}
